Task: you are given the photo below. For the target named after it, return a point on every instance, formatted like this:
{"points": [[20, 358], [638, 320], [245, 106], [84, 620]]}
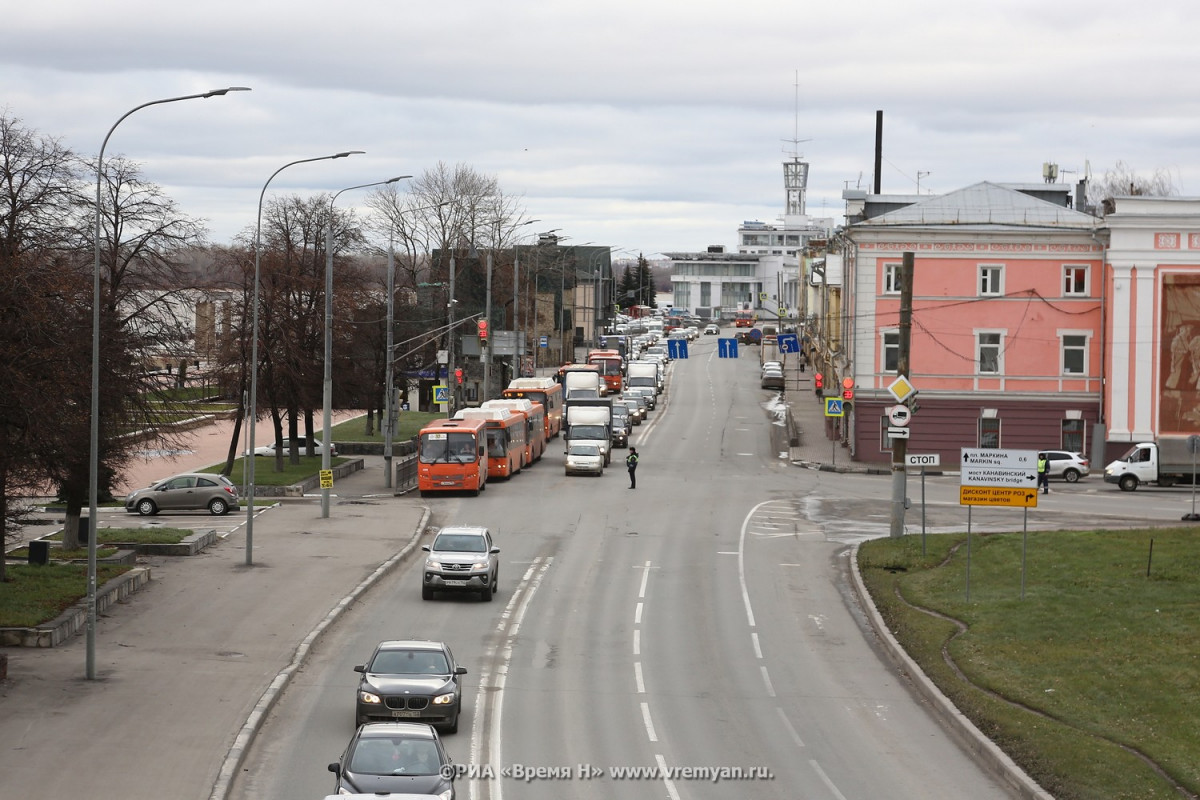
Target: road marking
{"points": [[645, 576], [757, 646], [767, 680], [637, 615], [637, 642], [825, 779], [637, 677], [787, 723], [646, 721], [672, 792]]}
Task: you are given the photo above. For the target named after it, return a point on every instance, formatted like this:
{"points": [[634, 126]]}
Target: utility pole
{"points": [[900, 446], [451, 383], [486, 355]]}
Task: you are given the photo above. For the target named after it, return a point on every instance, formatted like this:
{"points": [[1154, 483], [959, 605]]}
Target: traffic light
{"points": [[819, 379], [483, 331], [848, 394], [458, 375]]}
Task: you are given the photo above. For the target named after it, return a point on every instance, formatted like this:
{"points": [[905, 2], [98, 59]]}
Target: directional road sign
{"points": [[441, 394], [999, 468], [833, 407], [898, 433], [997, 496], [677, 348], [727, 348], [788, 343]]}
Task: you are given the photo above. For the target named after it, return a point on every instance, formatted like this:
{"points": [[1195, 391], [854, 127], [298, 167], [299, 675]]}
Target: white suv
{"points": [[1067, 465], [462, 558]]}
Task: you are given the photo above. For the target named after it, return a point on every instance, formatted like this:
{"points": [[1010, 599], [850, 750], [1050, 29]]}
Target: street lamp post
{"points": [[486, 355], [94, 439], [327, 386], [253, 409]]}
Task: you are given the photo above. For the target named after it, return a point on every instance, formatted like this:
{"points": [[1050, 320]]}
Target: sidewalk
{"points": [[202, 652]]}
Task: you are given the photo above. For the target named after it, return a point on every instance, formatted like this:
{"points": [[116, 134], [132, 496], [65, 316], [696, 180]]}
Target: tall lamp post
{"points": [[251, 458], [487, 313], [327, 392], [94, 439]]}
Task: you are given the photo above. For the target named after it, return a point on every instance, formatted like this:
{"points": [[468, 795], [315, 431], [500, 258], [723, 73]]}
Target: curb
{"points": [[74, 619], [985, 751], [258, 714]]}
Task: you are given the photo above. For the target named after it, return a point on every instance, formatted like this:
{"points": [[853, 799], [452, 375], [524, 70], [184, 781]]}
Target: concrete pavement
{"points": [[187, 668]]}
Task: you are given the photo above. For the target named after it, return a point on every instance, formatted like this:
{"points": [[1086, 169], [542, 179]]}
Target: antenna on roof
{"points": [[796, 140]]}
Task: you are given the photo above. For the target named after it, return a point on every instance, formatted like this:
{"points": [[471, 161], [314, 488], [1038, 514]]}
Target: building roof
{"points": [[987, 204]]}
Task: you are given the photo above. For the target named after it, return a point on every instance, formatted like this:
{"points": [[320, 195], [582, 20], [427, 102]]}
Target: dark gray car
{"points": [[394, 758], [410, 680]]}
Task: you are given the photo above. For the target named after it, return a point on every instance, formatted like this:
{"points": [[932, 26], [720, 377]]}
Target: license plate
{"points": [[447, 483], [456, 583], [406, 713]]}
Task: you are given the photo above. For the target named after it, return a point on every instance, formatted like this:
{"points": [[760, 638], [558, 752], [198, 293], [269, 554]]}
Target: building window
{"points": [[989, 432], [891, 351], [1074, 353], [989, 357], [1072, 435], [705, 293], [885, 441], [991, 279], [891, 279], [1075, 280]]}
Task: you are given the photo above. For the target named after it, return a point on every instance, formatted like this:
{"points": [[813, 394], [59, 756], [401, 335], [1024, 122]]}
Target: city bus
{"points": [[535, 424], [743, 319], [505, 438], [546, 391], [611, 367], [452, 456]]}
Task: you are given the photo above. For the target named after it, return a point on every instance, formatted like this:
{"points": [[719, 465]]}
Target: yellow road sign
{"points": [[997, 496], [326, 478]]}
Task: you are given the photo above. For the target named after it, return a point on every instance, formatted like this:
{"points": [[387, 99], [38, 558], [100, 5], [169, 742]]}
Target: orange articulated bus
{"points": [[611, 367], [505, 438], [452, 456], [535, 424], [546, 391]]}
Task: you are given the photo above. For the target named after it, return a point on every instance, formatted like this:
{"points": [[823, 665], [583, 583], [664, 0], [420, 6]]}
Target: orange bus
{"points": [[452, 456], [546, 391], [505, 438], [611, 367], [743, 319], [535, 424]]}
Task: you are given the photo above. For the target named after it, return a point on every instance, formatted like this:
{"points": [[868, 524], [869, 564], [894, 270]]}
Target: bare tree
{"points": [[40, 183], [1124, 180]]}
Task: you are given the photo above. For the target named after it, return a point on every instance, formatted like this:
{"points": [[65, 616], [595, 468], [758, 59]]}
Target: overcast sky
{"points": [[650, 126]]}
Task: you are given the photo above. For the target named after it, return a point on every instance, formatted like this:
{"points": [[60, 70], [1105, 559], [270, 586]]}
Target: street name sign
{"points": [[997, 496], [991, 467]]}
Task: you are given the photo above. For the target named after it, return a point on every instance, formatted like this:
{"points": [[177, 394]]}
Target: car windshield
{"points": [[583, 450], [451, 447], [395, 757], [409, 662], [459, 543]]}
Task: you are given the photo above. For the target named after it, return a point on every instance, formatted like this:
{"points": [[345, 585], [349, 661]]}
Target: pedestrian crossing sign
{"points": [[441, 394], [833, 407]]}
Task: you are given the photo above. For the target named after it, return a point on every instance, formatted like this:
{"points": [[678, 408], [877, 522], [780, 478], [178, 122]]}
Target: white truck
{"points": [[588, 385], [1168, 461], [589, 421], [643, 373]]}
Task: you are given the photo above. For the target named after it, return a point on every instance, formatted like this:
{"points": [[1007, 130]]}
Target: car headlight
{"points": [[431, 564], [369, 697], [443, 699], [479, 566]]}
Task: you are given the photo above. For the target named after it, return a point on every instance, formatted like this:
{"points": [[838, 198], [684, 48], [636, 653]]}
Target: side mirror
{"points": [[361, 668], [494, 550], [336, 769], [460, 670], [426, 548]]}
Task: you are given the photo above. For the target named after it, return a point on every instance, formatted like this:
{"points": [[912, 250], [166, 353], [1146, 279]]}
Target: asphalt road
{"points": [[701, 621]]}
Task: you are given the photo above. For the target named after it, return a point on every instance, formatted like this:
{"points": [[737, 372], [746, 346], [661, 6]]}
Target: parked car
{"points": [[410, 680], [773, 379], [191, 491], [712, 329], [390, 758], [461, 559], [286, 447], [584, 459], [1067, 465]]}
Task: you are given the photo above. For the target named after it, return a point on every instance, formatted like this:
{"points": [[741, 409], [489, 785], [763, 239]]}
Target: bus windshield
{"points": [[442, 447]]}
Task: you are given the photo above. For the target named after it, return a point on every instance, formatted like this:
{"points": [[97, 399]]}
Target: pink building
{"points": [[1007, 337]]}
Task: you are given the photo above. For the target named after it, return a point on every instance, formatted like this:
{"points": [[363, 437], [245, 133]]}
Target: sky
{"points": [[647, 126]]}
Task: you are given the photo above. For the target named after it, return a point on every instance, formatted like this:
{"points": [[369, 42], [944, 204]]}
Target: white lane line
{"points": [[825, 779], [767, 680], [757, 646], [646, 721], [637, 642], [742, 562], [637, 677], [514, 612], [645, 577], [637, 615], [787, 723], [672, 792]]}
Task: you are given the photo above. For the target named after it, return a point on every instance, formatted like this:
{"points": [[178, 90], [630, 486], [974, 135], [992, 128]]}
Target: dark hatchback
{"points": [[411, 680], [394, 758]]}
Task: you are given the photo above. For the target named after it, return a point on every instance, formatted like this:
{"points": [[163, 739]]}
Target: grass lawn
{"points": [[36, 594], [1099, 662], [265, 474], [129, 536], [408, 426]]}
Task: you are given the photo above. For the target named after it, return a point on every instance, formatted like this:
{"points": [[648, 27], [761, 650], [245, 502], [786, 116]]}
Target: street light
{"points": [[487, 315], [94, 441], [253, 417], [327, 406]]}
